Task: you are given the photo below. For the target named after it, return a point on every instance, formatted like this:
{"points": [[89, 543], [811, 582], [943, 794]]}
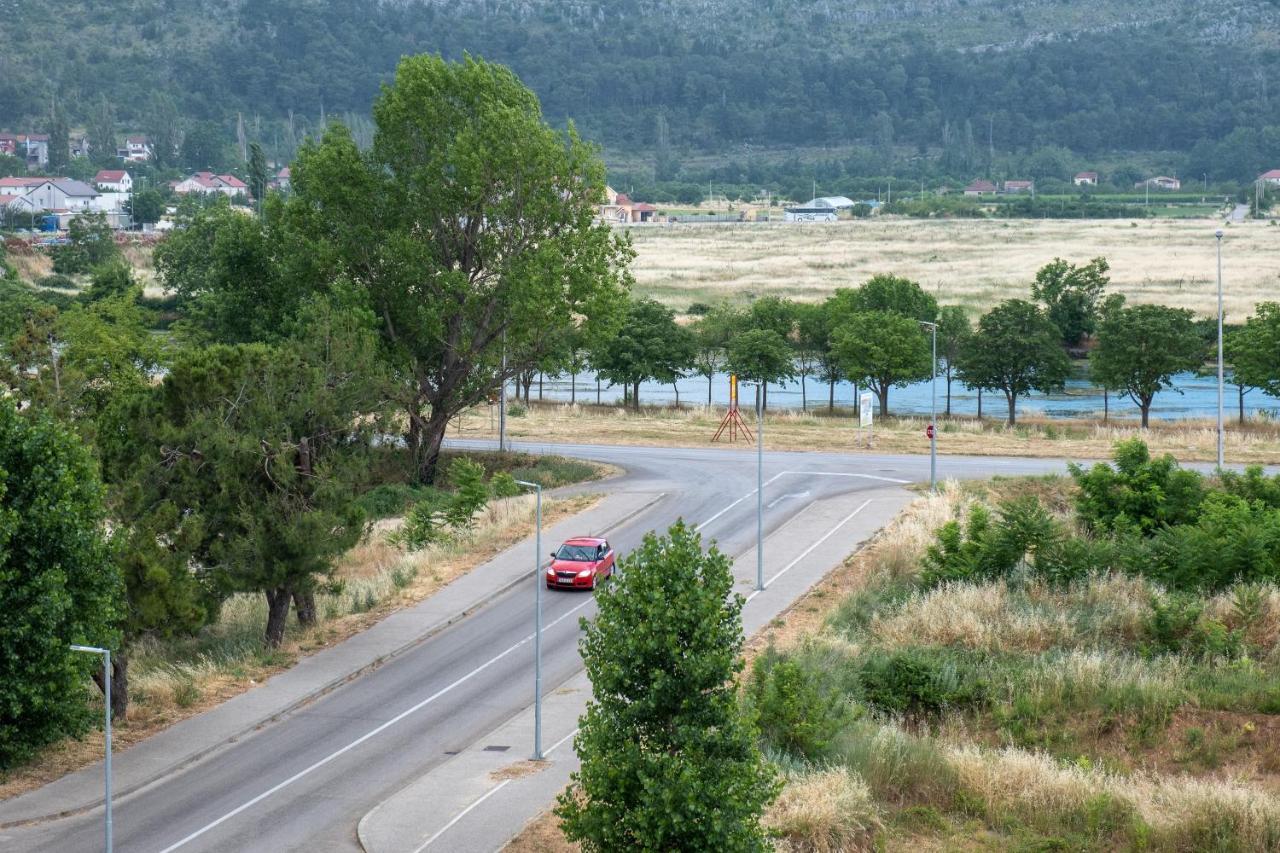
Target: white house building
{"points": [[59, 194], [1271, 178], [113, 180], [137, 149], [207, 183]]}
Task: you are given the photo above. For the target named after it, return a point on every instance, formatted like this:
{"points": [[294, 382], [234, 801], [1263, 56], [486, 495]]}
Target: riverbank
{"points": [[1257, 441]]}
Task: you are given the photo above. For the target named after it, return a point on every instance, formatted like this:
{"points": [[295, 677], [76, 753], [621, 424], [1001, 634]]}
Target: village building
{"points": [[207, 183], [1085, 179], [1012, 187], [1160, 182], [113, 180], [980, 187], [1271, 178]]}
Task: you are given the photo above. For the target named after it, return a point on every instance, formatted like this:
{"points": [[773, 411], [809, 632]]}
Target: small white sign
{"points": [[865, 409]]}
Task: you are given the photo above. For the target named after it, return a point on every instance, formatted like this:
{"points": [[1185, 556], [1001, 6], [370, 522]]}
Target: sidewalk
{"points": [[147, 763], [480, 799]]}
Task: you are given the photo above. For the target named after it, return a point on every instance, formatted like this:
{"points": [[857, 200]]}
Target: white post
{"points": [[1218, 235], [537, 622], [502, 399], [106, 764], [760, 487]]}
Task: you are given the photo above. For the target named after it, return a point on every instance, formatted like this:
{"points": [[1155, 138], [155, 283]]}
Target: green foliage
{"points": [[1015, 350], [882, 350], [888, 294], [1139, 494], [1071, 296], [1253, 485], [91, 244], [57, 582], [649, 345], [988, 548], [1254, 349], [389, 499], [795, 709], [146, 207], [470, 494], [112, 279], [668, 760], [760, 355], [503, 485], [427, 521], [1141, 348], [919, 682]]}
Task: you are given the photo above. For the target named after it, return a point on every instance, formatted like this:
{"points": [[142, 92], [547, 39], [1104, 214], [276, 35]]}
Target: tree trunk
{"points": [[432, 439], [804, 399], [883, 392], [979, 405], [948, 393], [1013, 408], [1146, 412], [764, 404], [573, 388], [1106, 406], [1240, 388], [278, 600], [597, 389], [709, 378], [539, 384], [635, 396], [304, 604], [119, 684], [676, 388], [831, 396]]}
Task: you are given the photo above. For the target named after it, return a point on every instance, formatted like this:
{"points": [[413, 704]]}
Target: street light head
{"points": [[1218, 233]]}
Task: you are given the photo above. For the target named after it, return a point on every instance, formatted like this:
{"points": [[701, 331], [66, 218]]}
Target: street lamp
{"points": [[933, 410], [537, 622], [760, 486], [106, 689], [1218, 235]]}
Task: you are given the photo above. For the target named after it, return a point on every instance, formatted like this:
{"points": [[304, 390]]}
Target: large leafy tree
{"points": [[668, 760], [649, 345], [954, 331], [1254, 352], [57, 582], [1141, 348], [882, 350], [1071, 294], [890, 294], [1015, 350], [761, 356], [711, 335], [470, 226]]}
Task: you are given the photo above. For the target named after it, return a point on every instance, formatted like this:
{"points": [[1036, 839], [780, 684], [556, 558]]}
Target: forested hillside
{"points": [[951, 78]]}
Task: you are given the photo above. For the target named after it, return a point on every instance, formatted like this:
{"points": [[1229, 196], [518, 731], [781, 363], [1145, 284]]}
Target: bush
{"points": [[795, 710], [916, 682], [698, 309], [388, 499], [426, 522], [1139, 494], [986, 550], [515, 410], [470, 495], [503, 485], [57, 282]]}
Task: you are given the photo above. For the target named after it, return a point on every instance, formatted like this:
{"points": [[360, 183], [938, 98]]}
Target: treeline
{"points": [[878, 336], [641, 77], [148, 477]]}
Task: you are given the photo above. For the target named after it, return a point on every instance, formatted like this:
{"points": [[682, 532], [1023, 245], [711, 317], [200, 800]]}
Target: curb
{"points": [[302, 702]]}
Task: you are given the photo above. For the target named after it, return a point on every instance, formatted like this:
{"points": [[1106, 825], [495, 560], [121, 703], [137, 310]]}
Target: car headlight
{"points": [[585, 573]]}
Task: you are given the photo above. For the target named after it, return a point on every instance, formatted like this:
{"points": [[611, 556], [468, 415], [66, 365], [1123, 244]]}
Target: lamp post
{"points": [[106, 689], [760, 487], [537, 622], [1218, 234], [933, 410], [502, 398]]}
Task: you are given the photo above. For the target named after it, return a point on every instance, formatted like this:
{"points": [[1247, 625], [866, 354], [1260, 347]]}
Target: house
{"points": [[618, 208], [825, 209], [18, 186], [207, 183], [137, 149], [282, 181], [980, 187], [1160, 182], [31, 147], [79, 145], [1271, 178], [1086, 179], [113, 180], [61, 194], [1011, 187]]}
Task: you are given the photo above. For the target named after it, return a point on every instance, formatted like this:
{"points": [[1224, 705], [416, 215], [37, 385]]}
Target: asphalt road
{"points": [[303, 782]]}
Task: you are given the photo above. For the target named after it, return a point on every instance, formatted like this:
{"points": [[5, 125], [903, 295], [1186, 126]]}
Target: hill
{"points": [[954, 79]]}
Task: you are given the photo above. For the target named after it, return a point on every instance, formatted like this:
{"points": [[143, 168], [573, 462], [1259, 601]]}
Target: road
{"points": [[303, 782]]}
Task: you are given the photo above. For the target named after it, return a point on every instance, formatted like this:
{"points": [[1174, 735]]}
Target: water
{"points": [[1080, 398]]}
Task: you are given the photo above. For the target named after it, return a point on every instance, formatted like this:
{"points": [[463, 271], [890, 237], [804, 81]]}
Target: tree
{"points": [[1141, 348], [257, 173], [1253, 351], [90, 243], [883, 351], [59, 141], [887, 293], [205, 146], [114, 278], [813, 346], [648, 346], [711, 334], [145, 207], [761, 356], [1071, 296], [59, 586], [668, 760], [954, 332], [470, 226], [164, 128], [102, 133], [1016, 350]]}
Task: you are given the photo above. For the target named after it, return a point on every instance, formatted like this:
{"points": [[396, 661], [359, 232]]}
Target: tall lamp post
{"points": [[1218, 235], [933, 410], [537, 622], [760, 486], [106, 689]]}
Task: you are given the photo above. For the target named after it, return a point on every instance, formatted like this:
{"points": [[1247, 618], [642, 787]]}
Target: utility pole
{"points": [[106, 730], [760, 486], [1218, 235], [502, 398], [537, 623]]}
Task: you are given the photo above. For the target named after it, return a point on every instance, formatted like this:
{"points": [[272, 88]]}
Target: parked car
{"points": [[580, 563]]}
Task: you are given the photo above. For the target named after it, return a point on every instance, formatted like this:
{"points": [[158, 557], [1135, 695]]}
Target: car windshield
{"points": [[577, 553]]}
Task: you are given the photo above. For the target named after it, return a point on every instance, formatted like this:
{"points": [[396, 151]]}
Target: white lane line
{"points": [[560, 742], [847, 474], [388, 724], [738, 501], [461, 815], [809, 550]]}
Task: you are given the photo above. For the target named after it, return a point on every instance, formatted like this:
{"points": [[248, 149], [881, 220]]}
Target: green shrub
{"points": [[57, 282], [795, 710], [388, 499], [986, 550], [1171, 622], [515, 410], [1253, 485], [470, 495], [1139, 494], [917, 682], [503, 485], [698, 309], [426, 523]]}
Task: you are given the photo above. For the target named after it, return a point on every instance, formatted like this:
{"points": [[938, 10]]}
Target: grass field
{"points": [[965, 262]]}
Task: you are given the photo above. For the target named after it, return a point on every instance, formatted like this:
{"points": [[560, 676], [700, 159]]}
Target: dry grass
{"points": [[31, 265], [971, 263], [1256, 442], [174, 682], [824, 811]]}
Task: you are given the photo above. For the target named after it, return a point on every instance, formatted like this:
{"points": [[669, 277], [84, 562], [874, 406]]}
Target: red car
{"points": [[579, 563]]}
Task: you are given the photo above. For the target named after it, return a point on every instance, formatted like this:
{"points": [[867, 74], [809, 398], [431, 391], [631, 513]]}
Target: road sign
{"points": [[864, 407], [929, 431]]}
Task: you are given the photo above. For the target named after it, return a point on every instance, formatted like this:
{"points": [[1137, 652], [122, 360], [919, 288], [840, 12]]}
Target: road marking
{"points": [[847, 474], [358, 741], [787, 496], [738, 501], [560, 742], [809, 550], [461, 815]]}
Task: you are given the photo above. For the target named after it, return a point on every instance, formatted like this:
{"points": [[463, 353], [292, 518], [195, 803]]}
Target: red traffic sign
{"points": [[929, 431]]}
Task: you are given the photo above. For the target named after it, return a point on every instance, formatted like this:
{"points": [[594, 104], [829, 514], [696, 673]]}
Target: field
{"points": [[966, 262]]}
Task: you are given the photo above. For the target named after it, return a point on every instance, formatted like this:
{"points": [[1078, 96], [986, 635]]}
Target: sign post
{"points": [[867, 416]]}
